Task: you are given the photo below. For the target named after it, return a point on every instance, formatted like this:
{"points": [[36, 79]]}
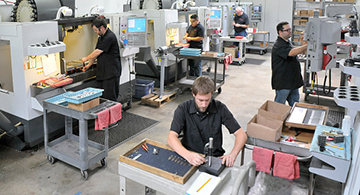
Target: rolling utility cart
{"points": [[188, 81], [75, 150], [241, 58], [264, 42]]}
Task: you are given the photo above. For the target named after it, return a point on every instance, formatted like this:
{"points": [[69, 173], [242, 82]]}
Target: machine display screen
{"points": [[136, 25], [257, 8], [215, 13]]}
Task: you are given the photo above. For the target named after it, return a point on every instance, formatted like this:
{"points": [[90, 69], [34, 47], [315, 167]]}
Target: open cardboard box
{"points": [[264, 128], [274, 110]]}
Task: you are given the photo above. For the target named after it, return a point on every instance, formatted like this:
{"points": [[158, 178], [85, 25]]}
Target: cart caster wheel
{"points": [[84, 174], [265, 50], [219, 90], [261, 52], [208, 69], [51, 159], [240, 63], [180, 91], [103, 162]]}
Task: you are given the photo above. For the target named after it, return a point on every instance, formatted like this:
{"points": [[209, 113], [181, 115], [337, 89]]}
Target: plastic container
{"points": [[143, 87], [346, 125], [59, 99], [83, 95]]}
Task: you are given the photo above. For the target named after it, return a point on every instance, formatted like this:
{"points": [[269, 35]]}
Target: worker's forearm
{"points": [[298, 50], [176, 145], [94, 54], [196, 38], [240, 141]]}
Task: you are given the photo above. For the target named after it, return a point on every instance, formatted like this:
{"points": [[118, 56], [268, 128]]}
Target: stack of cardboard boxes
{"points": [[268, 123]]}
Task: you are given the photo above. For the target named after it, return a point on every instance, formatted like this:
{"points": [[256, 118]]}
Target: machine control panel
{"points": [[255, 13], [133, 31], [215, 19]]}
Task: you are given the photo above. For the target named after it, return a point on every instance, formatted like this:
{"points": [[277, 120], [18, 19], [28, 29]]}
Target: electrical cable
{"points": [[324, 86], [317, 86]]}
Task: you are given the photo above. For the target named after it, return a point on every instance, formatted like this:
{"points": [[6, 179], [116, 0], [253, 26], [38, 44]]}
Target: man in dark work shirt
{"points": [[201, 118], [194, 36], [241, 23], [286, 71], [107, 54]]}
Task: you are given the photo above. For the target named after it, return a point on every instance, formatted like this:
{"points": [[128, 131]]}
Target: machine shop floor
{"points": [[245, 90]]}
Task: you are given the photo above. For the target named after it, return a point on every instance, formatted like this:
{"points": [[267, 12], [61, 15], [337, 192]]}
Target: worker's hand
{"points": [[195, 159], [85, 68], [184, 37], [188, 38], [237, 25], [233, 23], [228, 160], [84, 59]]}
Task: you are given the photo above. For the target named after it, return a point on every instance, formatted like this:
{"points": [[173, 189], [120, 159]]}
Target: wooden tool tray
{"points": [[167, 163]]}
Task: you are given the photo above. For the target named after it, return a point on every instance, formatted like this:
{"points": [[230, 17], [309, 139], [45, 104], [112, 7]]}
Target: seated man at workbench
{"points": [[201, 118]]}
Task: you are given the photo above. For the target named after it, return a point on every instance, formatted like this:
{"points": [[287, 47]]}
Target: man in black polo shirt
{"points": [[286, 70], [194, 36], [241, 23], [201, 118], [108, 60]]}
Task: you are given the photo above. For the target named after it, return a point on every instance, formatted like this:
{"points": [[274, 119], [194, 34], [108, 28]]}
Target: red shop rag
{"points": [[115, 113], [286, 166], [228, 60], [102, 119], [263, 158]]}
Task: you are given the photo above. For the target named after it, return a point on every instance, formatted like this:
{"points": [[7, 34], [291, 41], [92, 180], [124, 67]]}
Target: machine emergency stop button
{"points": [[123, 31]]}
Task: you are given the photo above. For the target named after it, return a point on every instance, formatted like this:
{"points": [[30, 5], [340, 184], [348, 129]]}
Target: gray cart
{"points": [[75, 150], [189, 80]]}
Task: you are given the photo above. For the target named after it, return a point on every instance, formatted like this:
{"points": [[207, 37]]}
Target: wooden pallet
{"points": [[154, 100]]}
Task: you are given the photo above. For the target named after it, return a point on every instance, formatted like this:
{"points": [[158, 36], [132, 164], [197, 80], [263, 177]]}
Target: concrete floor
{"points": [[245, 90]]}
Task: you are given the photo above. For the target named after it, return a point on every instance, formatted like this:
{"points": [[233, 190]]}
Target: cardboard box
{"points": [[297, 22], [232, 50], [262, 44], [303, 12], [349, 0], [209, 53], [297, 12], [86, 105], [274, 110], [264, 128]]}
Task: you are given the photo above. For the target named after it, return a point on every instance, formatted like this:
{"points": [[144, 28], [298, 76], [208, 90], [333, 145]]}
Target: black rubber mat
{"points": [[253, 61], [334, 118], [130, 125]]}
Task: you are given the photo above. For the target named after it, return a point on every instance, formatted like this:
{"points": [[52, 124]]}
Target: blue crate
{"points": [[78, 100], [59, 99], [143, 87]]}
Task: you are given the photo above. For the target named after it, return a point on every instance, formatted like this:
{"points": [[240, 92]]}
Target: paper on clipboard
{"points": [[207, 189], [49, 64]]}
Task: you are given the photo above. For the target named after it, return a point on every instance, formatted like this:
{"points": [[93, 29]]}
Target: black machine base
{"points": [[216, 167]]}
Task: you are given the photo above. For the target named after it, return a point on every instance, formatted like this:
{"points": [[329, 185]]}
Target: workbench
{"points": [[188, 81], [335, 164], [264, 42], [241, 58], [75, 150], [160, 184]]}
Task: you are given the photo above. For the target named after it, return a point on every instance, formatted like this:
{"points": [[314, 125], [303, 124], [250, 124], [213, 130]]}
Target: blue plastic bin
{"points": [[59, 99], [71, 96], [143, 87]]}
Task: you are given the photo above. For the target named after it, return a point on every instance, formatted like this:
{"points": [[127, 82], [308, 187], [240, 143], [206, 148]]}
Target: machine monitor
{"points": [[215, 19], [136, 25], [133, 31], [255, 15], [215, 13]]}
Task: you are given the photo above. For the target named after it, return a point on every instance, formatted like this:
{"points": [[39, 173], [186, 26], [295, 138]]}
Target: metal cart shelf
{"points": [[241, 58], [265, 41], [75, 150], [189, 80]]}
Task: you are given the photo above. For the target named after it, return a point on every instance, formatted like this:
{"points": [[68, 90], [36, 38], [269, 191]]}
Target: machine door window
{"points": [[6, 80]]}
